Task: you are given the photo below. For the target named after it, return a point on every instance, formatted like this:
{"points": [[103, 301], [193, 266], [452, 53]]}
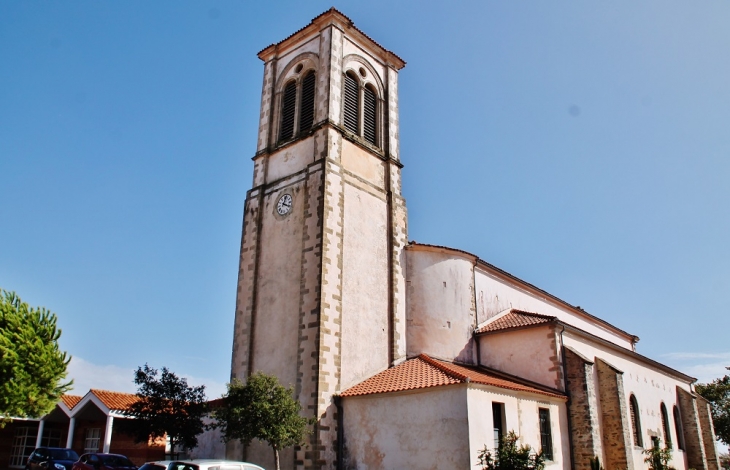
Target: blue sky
{"points": [[581, 146]]}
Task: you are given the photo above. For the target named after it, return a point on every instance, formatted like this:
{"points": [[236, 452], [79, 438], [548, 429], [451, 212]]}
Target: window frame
{"points": [[635, 421], [298, 81], [362, 85], [546, 433], [498, 423], [89, 438], [23, 445], [678, 428], [665, 426]]}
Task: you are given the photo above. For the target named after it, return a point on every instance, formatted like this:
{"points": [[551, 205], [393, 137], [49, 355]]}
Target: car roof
{"points": [[215, 462]]}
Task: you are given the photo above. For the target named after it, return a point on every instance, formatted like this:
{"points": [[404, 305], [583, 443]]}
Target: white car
{"points": [[199, 464]]}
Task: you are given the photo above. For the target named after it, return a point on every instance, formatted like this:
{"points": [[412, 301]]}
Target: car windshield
{"points": [[115, 461], [63, 454], [152, 466]]}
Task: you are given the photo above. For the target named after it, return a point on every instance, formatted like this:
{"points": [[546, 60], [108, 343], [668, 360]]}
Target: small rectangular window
{"points": [[91, 443], [498, 420], [546, 435]]}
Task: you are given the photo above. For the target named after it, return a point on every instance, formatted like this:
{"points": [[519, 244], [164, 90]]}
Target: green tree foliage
{"points": [[262, 409], [167, 405], [32, 366], [511, 457], [658, 458], [718, 394]]}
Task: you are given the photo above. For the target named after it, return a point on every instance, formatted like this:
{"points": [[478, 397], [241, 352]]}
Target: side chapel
{"points": [[412, 355]]}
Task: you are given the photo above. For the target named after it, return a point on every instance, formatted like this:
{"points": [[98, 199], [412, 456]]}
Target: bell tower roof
{"points": [[337, 18]]}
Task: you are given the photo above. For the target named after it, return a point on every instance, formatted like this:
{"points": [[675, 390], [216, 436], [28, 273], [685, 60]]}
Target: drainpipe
{"points": [[340, 432], [479, 347], [567, 403]]}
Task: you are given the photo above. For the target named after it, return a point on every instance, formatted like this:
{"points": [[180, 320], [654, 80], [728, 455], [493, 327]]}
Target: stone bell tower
{"points": [[321, 283]]}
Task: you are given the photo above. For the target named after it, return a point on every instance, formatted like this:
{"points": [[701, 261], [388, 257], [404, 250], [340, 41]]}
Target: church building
{"points": [[412, 355]]}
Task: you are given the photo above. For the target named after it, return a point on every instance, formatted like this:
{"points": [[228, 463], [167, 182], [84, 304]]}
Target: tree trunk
{"points": [[276, 458]]}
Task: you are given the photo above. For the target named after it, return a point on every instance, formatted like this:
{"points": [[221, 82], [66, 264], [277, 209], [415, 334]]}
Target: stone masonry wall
{"points": [[708, 433], [694, 446], [582, 409], [616, 428]]}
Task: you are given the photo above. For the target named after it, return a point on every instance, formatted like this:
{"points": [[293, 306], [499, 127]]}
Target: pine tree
{"points": [[32, 366]]}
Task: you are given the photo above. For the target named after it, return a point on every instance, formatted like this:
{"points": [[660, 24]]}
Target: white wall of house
{"points": [[424, 429], [521, 416]]}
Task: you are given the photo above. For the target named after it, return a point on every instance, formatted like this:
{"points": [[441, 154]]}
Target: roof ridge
{"points": [[442, 367], [94, 390], [533, 314]]}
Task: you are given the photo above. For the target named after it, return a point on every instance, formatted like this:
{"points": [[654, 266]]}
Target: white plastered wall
{"points": [[440, 308], [425, 429], [530, 353], [495, 295], [277, 312], [364, 287]]}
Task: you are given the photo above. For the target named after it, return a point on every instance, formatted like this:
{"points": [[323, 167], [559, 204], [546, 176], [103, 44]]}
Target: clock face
{"points": [[284, 205]]}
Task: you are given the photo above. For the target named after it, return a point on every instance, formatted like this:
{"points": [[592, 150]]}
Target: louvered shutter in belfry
{"points": [[306, 108], [287, 112], [352, 113], [369, 120]]}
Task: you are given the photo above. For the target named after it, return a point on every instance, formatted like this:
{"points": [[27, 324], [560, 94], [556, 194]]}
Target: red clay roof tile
{"points": [[115, 400], [70, 400], [516, 319], [425, 372]]}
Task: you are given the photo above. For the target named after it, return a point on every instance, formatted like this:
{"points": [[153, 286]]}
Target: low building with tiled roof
{"points": [[88, 423]]}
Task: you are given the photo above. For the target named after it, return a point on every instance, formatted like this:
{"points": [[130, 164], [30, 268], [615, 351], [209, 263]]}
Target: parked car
{"points": [[51, 458], [103, 462], [199, 464]]}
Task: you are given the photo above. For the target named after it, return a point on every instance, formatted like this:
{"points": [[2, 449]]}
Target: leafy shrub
{"points": [[511, 457]]}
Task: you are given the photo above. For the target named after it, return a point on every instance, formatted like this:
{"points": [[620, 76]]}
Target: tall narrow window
{"points": [[288, 107], [498, 420], [635, 423], [678, 428], [352, 104], [369, 119], [546, 435], [306, 107], [665, 427]]}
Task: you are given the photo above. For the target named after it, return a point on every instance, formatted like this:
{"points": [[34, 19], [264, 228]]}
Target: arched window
{"points": [[306, 110], [665, 427], [351, 118], [297, 101], [635, 423], [360, 110], [288, 108], [678, 428], [369, 114]]}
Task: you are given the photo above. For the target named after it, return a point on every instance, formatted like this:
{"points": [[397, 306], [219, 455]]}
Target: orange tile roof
{"points": [[516, 319], [70, 400], [115, 400], [425, 372]]}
